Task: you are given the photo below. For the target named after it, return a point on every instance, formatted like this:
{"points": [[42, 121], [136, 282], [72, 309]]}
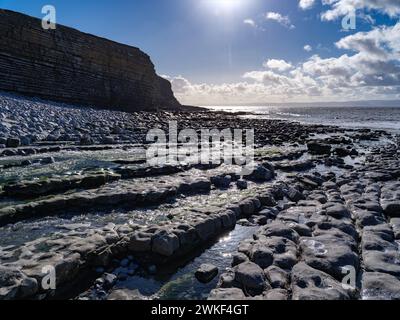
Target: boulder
{"points": [[250, 276], [228, 219], [278, 277], [279, 229], [206, 273], [25, 141], [301, 229], [276, 295], [267, 199], [294, 195], [247, 207], [391, 208], [86, 140], [260, 174], [16, 285], [227, 280], [336, 210], [140, 242], [108, 280], [13, 142], [165, 243], [227, 294], [222, 182], [319, 147], [284, 251], [108, 140], [344, 152], [261, 255], [238, 258], [206, 229], [241, 184]]}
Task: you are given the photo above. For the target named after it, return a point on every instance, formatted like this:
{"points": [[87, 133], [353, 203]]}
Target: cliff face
{"points": [[70, 66]]}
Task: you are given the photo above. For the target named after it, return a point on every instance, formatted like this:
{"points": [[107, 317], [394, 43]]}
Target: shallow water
{"points": [[66, 163], [21, 232], [180, 283]]}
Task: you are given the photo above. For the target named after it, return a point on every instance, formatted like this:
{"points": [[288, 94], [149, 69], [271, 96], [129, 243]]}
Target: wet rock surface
{"points": [[310, 222], [206, 273], [341, 236], [380, 286]]}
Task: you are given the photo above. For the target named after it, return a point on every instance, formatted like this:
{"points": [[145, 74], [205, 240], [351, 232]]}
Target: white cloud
{"points": [[250, 22], [283, 20], [280, 65], [370, 69], [306, 4], [382, 42], [366, 18], [307, 48], [341, 8]]}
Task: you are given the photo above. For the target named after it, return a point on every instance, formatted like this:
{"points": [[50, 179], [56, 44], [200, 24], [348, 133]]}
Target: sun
{"points": [[224, 6], [227, 4]]}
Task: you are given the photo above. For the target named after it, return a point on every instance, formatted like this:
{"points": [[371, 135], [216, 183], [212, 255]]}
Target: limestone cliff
{"points": [[74, 67]]}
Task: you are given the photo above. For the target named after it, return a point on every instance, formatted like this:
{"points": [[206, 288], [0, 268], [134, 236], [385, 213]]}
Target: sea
{"points": [[386, 118]]}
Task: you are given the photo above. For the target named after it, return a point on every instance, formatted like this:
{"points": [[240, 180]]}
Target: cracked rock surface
{"points": [[317, 219]]}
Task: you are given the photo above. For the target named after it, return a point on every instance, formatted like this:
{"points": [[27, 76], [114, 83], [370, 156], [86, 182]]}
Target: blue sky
{"points": [[218, 50]]}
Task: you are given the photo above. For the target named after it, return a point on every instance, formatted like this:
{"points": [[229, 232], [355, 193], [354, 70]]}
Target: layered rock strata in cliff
{"points": [[70, 66]]}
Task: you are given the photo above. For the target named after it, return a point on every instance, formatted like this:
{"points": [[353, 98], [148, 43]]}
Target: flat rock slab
{"points": [[390, 199], [279, 229], [385, 262], [328, 255], [311, 284], [380, 286]]}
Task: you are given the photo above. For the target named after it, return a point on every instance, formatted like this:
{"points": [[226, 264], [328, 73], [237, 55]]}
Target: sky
{"points": [[251, 51]]}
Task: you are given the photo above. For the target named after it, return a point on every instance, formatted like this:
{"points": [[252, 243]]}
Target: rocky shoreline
{"points": [[77, 194]]}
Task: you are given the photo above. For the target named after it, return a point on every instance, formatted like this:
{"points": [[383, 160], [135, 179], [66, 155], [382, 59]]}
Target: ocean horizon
{"points": [[380, 118]]}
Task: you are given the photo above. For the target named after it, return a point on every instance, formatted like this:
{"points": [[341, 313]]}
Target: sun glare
{"points": [[224, 6], [227, 4]]}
